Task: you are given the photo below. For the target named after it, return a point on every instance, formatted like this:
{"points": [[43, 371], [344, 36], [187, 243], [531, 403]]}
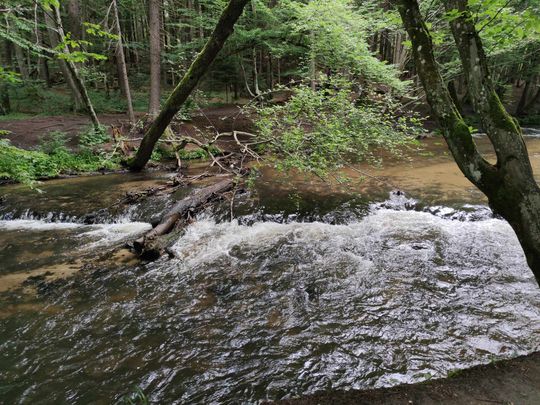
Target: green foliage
{"points": [[93, 136], [8, 76], [28, 166], [72, 50], [319, 131], [47, 4], [32, 97], [97, 31], [197, 153], [337, 34], [53, 141]]}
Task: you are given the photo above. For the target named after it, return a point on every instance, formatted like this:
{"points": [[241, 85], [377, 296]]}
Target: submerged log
{"points": [[152, 245]]}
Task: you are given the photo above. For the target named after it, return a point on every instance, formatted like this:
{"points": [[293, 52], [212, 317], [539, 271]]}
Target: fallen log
{"points": [[150, 247]]}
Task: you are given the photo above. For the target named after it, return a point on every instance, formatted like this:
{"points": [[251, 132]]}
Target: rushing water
{"points": [[301, 293]]}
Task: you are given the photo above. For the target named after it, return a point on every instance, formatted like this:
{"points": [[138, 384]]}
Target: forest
{"points": [[251, 201]]}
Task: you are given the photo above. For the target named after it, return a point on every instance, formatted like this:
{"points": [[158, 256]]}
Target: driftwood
{"points": [[152, 245]]}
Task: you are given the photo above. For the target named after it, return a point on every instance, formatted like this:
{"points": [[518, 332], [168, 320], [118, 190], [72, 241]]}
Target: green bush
{"points": [[26, 166], [320, 130], [92, 136]]}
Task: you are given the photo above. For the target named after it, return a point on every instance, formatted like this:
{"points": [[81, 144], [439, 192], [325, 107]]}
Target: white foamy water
{"points": [[98, 235], [270, 311]]}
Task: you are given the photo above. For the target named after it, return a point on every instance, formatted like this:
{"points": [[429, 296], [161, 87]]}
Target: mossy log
{"points": [[152, 245]]}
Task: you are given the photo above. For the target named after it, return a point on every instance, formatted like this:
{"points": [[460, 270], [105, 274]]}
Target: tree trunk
{"points": [[43, 68], [198, 68], [5, 104], [509, 185], [313, 62], [50, 21], [455, 98], [74, 74], [150, 247], [74, 19], [532, 103], [122, 68], [523, 99], [154, 19], [21, 60]]}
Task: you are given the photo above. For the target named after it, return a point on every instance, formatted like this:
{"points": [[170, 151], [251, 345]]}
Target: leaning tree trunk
{"points": [[509, 184], [198, 68], [154, 21], [122, 68]]}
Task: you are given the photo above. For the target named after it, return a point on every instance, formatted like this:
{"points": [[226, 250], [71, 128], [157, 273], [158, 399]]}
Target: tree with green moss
{"points": [[509, 184]]}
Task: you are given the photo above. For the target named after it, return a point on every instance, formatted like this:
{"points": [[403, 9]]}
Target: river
{"points": [[313, 286]]}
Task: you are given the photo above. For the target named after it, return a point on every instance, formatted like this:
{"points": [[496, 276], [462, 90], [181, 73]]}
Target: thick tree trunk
{"points": [[198, 68], [74, 19], [154, 19], [534, 100], [20, 57], [21, 62], [5, 104], [509, 185]]}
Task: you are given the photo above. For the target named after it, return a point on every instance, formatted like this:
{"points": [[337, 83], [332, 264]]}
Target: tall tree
{"points": [[154, 21], [54, 38], [509, 184], [198, 68], [121, 61], [72, 70]]}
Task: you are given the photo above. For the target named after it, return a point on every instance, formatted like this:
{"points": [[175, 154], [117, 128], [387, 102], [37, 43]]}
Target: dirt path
{"points": [[514, 381]]}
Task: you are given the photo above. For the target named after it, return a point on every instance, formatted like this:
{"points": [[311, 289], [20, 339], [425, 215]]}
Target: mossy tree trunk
{"points": [[509, 184], [198, 68]]}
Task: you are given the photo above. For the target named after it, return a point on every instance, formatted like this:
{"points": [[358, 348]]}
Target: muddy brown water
{"points": [[314, 286]]}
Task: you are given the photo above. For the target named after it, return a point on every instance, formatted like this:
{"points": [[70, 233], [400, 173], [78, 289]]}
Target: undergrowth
{"points": [[51, 160]]}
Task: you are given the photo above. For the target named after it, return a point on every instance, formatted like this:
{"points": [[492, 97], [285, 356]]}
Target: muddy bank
{"points": [[515, 381]]}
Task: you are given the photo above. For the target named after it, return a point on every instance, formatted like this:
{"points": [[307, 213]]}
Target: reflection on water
{"points": [[376, 292]]}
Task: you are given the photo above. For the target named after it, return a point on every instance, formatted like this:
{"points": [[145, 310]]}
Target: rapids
{"points": [[303, 291]]}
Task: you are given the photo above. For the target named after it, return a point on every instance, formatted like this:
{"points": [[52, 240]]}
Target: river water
{"points": [[311, 287]]}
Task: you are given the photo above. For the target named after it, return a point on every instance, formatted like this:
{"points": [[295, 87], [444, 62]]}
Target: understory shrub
{"points": [[27, 166]]}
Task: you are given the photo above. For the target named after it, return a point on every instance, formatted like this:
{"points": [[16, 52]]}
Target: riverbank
{"points": [[515, 381]]}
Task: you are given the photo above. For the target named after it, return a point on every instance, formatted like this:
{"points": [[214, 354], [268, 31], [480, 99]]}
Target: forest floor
{"points": [[515, 381], [27, 133]]}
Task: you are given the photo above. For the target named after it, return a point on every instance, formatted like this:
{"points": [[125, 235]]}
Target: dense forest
{"points": [[255, 113]]}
